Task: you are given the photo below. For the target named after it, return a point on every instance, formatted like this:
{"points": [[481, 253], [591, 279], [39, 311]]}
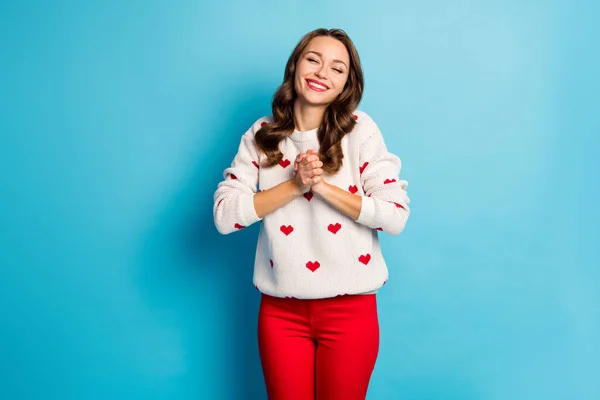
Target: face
{"points": [[322, 71]]}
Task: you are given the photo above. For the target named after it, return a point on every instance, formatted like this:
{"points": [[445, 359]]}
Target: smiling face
{"points": [[322, 71]]}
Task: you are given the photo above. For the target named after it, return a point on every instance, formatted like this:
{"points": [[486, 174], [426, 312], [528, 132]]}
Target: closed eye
{"points": [[339, 71]]}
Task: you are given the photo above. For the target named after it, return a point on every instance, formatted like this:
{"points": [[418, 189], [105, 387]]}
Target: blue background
{"points": [[118, 118]]}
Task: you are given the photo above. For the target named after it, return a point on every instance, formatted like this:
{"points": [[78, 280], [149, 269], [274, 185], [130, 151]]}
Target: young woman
{"points": [[319, 177]]}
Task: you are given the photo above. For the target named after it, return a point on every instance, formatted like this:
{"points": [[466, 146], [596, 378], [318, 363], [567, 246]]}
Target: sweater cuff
{"points": [[367, 212], [247, 208]]}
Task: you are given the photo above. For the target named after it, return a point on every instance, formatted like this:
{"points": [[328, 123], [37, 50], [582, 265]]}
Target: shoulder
{"points": [[257, 124], [365, 126], [363, 119]]}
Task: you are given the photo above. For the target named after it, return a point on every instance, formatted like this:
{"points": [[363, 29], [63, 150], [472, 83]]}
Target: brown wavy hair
{"points": [[338, 119]]}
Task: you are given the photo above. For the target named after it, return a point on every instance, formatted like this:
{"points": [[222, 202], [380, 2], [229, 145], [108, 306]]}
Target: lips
{"points": [[316, 85]]}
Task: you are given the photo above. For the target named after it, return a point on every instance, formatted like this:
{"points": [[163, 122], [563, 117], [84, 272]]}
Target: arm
{"points": [[386, 204], [269, 200], [346, 202], [233, 207]]}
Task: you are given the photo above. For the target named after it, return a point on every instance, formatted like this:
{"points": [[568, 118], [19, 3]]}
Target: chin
{"points": [[315, 100]]}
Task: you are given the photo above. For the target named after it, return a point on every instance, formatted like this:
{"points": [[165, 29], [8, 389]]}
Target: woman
{"points": [[318, 175]]}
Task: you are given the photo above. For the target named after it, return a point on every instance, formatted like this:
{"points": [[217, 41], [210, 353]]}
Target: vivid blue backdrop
{"points": [[117, 119]]}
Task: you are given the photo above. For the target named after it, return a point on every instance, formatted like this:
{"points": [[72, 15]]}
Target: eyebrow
{"points": [[321, 55]]}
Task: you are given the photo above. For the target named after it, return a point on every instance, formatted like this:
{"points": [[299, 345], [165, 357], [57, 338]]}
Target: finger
{"points": [[316, 171], [311, 165], [298, 160], [310, 158], [317, 179], [316, 164]]}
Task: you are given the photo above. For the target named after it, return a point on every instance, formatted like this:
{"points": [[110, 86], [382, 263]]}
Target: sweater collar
{"points": [[304, 136]]}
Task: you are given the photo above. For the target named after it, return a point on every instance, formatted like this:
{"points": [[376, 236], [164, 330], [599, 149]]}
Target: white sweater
{"points": [[308, 249]]}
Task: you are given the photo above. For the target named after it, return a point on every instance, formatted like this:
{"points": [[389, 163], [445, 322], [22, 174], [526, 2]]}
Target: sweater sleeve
{"points": [[233, 207], [385, 206]]}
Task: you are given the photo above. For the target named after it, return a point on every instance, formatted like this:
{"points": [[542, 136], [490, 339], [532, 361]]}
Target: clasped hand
{"points": [[309, 171]]}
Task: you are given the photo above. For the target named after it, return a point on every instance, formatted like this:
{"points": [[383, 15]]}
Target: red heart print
{"points": [[308, 195], [379, 229], [284, 163], [233, 176], [219, 203], [271, 262], [365, 259], [238, 226], [398, 205], [356, 117], [389, 181], [363, 167], [286, 229], [334, 228], [313, 266], [263, 123], [255, 164], [353, 189]]}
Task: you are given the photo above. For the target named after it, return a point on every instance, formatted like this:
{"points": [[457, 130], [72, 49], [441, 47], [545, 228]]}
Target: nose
{"points": [[321, 72]]}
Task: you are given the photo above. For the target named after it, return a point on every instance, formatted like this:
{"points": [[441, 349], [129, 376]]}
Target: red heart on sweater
{"points": [[263, 123], [219, 203], [389, 181], [233, 176], [398, 205], [286, 229], [363, 167], [308, 195], [313, 266], [334, 228], [255, 164], [271, 262], [238, 226], [379, 229], [365, 259], [284, 163], [353, 189], [355, 117]]}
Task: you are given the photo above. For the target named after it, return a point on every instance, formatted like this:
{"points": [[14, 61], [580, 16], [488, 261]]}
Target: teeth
{"points": [[316, 85]]}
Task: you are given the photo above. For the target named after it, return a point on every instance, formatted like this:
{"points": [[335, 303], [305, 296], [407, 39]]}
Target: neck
{"points": [[307, 116]]}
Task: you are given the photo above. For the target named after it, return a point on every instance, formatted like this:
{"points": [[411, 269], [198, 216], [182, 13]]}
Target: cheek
{"points": [[298, 82], [300, 68], [340, 83], [300, 72]]}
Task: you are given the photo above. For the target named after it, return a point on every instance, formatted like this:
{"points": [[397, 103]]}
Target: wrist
{"points": [[294, 188], [321, 187]]}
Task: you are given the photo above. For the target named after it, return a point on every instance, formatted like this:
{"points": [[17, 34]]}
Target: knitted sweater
{"points": [[308, 249]]}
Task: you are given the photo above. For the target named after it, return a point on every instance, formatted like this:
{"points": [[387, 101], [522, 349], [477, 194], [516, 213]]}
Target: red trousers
{"points": [[323, 349]]}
